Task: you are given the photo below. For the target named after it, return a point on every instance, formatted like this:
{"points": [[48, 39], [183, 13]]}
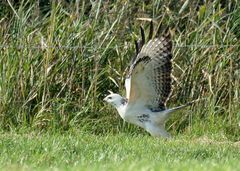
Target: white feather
{"points": [[127, 87]]}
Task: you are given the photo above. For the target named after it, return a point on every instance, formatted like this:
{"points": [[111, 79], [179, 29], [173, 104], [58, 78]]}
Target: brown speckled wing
{"points": [[150, 74]]}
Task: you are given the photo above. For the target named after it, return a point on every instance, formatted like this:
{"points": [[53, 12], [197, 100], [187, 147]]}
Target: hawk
{"points": [[148, 85]]}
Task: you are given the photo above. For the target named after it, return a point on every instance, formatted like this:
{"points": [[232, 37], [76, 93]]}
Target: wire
{"points": [[91, 47]]}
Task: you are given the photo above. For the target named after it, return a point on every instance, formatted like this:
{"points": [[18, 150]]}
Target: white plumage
{"points": [[148, 85]]}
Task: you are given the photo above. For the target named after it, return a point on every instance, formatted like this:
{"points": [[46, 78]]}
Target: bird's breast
{"points": [[136, 115]]}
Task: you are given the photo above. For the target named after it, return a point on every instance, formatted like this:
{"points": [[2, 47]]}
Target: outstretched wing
{"points": [[149, 78]]}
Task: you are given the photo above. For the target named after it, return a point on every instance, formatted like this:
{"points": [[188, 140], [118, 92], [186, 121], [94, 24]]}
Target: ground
{"points": [[79, 151]]}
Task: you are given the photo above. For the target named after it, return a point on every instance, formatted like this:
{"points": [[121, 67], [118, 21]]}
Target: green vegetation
{"points": [[120, 152], [58, 61], [56, 67]]}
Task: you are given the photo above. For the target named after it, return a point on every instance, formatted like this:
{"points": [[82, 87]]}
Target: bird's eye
{"points": [[110, 98]]}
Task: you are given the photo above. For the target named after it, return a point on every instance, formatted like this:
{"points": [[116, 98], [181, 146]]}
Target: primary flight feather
{"points": [[148, 85]]}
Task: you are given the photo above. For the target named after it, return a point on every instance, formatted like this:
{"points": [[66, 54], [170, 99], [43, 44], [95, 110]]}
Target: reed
{"points": [[56, 66]]}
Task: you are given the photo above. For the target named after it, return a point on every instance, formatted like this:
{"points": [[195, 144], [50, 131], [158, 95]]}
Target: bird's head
{"points": [[115, 100]]}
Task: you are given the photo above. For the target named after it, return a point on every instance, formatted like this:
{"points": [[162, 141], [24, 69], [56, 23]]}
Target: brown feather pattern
{"points": [[153, 63]]}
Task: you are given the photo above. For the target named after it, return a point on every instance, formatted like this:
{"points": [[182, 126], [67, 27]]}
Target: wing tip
{"points": [[161, 32], [150, 31], [143, 36]]}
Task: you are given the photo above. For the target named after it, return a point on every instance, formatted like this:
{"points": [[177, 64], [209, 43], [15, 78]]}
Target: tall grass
{"points": [[56, 67]]}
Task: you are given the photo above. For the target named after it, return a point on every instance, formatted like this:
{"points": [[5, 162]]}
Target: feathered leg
{"points": [[157, 130]]}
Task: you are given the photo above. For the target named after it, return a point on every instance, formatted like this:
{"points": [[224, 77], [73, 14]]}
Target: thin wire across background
{"points": [[91, 47]]}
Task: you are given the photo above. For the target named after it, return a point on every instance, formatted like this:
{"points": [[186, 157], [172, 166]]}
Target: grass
{"points": [[58, 63], [77, 151], [57, 66]]}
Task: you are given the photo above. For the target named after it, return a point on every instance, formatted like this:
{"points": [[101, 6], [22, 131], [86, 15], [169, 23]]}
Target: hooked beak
{"points": [[105, 99]]}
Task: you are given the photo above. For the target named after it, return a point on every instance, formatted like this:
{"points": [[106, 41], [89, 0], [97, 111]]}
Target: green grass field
{"points": [[58, 61], [79, 151]]}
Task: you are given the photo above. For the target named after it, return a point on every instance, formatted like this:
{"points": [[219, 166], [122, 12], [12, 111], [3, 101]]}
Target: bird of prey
{"points": [[148, 84]]}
